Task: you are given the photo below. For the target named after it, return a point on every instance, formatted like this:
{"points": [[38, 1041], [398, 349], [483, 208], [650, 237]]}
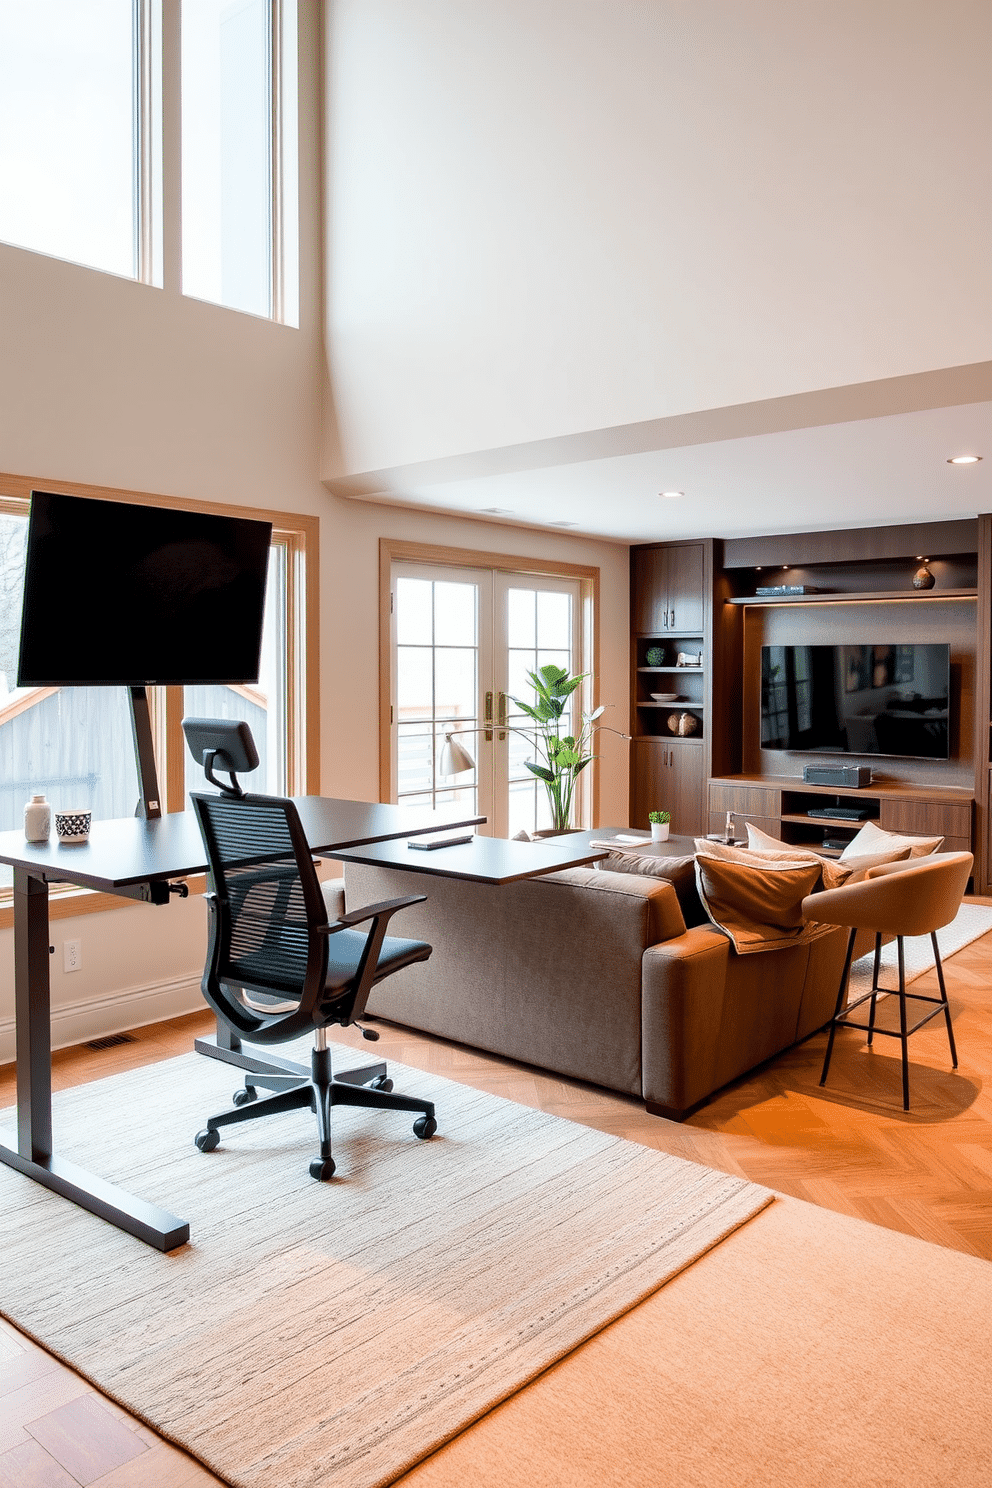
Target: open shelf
{"points": [[674, 669], [839, 597], [826, 821]]}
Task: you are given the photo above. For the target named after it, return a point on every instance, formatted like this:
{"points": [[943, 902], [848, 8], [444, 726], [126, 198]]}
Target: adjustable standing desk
{"points": [[135, 859]]}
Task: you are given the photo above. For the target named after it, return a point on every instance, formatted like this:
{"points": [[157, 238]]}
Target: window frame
{"points": [[300, 533]]}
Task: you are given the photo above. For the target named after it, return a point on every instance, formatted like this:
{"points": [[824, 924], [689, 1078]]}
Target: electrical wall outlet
{"points": [[72, 955]]}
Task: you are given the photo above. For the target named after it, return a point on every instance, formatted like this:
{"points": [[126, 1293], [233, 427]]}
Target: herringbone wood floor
{"points": [[848, 1147]]}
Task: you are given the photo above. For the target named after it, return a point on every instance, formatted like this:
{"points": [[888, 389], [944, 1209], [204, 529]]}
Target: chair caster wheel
{"points": [[382, 1082], [207, 1140], [424, 1127], [245, 1096], [322, 1168]]}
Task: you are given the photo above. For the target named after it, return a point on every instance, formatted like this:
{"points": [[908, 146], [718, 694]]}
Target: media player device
{"points": [[857, 776]]}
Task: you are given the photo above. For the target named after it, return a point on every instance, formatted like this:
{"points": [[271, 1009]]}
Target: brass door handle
{"points": [[501, 715], [488, 718]]}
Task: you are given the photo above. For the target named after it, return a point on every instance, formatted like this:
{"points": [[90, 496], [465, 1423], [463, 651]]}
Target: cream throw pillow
{"points": [[871, 840], [836, 871]]}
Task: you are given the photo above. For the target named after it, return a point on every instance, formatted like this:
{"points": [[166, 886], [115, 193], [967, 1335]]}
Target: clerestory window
{"points": [[86, 91]]}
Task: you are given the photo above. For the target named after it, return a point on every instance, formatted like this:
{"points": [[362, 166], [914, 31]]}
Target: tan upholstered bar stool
{"points": [[917, 897]]}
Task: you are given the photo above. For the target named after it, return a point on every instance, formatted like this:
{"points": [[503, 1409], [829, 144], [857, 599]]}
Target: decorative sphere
{"points": [[923, 578]]}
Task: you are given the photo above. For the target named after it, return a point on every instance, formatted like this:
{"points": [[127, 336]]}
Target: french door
{"points": [[462, 641]]}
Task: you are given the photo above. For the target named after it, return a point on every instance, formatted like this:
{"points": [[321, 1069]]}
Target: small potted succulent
{"points": [[660, 822]]}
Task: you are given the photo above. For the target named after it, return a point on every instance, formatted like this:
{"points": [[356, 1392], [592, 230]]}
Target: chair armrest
{"points": [[387, 908]]}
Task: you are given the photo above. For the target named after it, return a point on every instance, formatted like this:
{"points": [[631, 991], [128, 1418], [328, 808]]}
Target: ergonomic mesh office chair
{"points": [[277, 967]]}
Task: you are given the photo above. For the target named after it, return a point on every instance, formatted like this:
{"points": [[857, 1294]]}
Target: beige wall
{"points": [[108, 382], [548, 216]]}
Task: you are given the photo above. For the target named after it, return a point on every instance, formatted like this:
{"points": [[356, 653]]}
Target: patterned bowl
{"points": [[73, 826]]}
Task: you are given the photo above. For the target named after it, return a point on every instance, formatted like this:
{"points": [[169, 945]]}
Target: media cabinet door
{"points": [[668, 777]]}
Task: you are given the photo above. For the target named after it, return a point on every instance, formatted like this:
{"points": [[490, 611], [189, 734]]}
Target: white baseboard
{"points": [[96, 1017]]}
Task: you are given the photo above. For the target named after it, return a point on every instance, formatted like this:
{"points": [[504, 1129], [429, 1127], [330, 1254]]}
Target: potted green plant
{"points": [[660, 822], [564, 754]]}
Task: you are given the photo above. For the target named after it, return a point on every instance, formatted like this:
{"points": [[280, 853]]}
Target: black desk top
{"points": [[490, 860], [129, 850]]}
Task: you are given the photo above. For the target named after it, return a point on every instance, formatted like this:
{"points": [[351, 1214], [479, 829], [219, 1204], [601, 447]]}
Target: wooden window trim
{"points": [[301, 534], [393, 549]]}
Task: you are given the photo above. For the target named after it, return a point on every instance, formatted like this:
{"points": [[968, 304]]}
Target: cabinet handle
{"points": [[664, 618], [673, 619]]}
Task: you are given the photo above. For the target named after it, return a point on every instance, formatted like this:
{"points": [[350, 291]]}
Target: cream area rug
{"points": [[971, 921], [336, 1333]]}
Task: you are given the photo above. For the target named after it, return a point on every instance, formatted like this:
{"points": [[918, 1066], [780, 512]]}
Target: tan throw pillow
{"points": [[757, 904], [732, 854], [871, 839], [679, 872]]}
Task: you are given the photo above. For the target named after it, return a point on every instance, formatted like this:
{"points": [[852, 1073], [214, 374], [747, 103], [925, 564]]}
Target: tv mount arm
{"points": [[149, 801]]}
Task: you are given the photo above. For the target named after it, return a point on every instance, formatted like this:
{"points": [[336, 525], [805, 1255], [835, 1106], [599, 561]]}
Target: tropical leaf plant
{"points": [[563, 755]]}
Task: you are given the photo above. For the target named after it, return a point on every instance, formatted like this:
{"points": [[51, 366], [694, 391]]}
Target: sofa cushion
{"points": [[679, 872], [872, 839], [757, 902], [836, 871]]}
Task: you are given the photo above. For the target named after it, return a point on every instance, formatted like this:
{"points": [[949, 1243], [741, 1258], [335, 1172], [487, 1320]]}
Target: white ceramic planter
{"points": [[659, 831]]}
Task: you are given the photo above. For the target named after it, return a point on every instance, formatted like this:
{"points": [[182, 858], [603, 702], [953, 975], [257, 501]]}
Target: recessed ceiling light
{"points": [[964, 459], [495, 511], [671, 495]]}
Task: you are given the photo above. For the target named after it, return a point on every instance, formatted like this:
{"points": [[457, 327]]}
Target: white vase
{"points": [[659, 831], [37, 819]]}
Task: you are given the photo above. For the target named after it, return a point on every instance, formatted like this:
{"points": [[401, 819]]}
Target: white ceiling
{"points": [[862, 473]]}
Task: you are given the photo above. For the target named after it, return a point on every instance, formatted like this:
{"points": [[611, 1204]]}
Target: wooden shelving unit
{"points": [[864, 596]]}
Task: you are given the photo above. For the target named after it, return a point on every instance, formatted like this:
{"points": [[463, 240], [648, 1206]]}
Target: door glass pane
{"points": [[227, 153], [539, 627], [521, 618], [415, 682], [554, 619], [263, 707], [414, 615], [67, 137], [437, 686], [455, 615]]}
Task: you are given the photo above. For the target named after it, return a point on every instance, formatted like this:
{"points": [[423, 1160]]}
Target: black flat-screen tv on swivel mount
{"points": [[122, 594], [873, 699]]}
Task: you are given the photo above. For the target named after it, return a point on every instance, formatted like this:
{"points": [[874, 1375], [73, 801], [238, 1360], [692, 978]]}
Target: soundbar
{"points": [[856, 776]]}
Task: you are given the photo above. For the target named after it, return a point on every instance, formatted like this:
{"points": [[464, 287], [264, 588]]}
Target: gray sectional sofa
{"points": [[595, 975]]}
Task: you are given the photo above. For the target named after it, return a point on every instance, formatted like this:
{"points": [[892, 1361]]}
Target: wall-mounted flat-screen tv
{"points": [[118, 592], [857, 699]]}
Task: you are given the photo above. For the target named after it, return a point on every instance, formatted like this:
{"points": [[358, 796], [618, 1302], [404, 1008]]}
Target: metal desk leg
{"points": [[33, 1154]]}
